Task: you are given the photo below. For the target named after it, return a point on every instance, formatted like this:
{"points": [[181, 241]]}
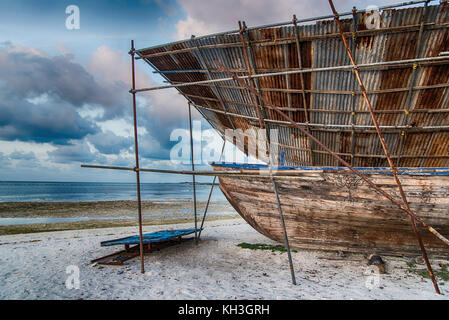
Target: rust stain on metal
{"points": [[328, 91], [432, 98], [365, 42], [396, 48]]}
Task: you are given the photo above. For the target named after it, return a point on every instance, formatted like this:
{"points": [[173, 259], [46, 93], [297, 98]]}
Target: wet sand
{"points": [[121, 208], [122, 214]]}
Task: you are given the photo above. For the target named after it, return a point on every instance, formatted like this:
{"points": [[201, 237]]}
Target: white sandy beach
{"points": [[33, 266]]}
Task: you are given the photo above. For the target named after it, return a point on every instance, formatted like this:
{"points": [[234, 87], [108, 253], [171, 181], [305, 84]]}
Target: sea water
{"points": [[31, 191], [105, 191]]}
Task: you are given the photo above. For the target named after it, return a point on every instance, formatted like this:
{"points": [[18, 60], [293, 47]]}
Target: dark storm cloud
{"points": [[26, 73], [162, 116], [109, 143], [122, 162], [158, 145], [49, 121], [40, 95], [4, 161], [152, 148], [79, 151]]}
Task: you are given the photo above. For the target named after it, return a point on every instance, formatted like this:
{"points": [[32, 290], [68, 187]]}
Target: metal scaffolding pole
{"points": [[250, 72], [302, 82], [193, 169], [210, 193], [299, 71], [252, 84], [407, 103], [284, 229], [136, 151], [293, 173], [342, 161], [384, 146]]}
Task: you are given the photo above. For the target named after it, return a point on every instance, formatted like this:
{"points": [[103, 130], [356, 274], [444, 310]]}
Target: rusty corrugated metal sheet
{"points": [[331, 95]]}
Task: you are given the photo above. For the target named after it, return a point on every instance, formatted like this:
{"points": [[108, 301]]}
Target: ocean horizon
{"points": [[51, 191]]}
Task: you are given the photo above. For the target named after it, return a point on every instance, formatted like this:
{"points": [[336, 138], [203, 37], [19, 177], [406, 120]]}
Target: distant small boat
{"points": [[329, 208]]}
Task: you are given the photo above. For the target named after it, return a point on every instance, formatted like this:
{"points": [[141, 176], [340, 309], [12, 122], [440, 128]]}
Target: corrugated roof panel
{"points": [[332, 98]]}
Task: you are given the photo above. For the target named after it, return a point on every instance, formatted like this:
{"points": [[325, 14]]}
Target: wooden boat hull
{"points": [[337, 211]]}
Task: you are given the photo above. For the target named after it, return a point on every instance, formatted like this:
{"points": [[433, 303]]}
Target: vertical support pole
{"points": [[213, 86], [215, 89], [353, 85], [413, 77], [342, 161], [250, 79], [384, 146], [252, 69], [303, 92], [287, 78], [210, 192], [193, 169], [281, 214], [136, 151], [267, 141]]}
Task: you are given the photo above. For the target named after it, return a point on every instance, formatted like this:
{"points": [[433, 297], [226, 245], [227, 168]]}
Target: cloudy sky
{"points": [[64, 95]]}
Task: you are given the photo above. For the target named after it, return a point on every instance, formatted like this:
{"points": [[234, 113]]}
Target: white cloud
{"points": [[205, 17], [158, 111], [63, 48], [16, 48], [41, 99], [39, 149], [115, 66], [191, 26]]}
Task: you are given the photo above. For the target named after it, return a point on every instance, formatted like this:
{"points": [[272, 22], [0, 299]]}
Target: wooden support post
{"points": [[284, 229], [384, 146], [184, 94], [254, 83], [267, 141], [193, 169], [353, 85], [243, 35], [407, 104], [216, 90], [343, 162], [303, 89], [136, 151], [213, 86], [210, 193], [287, 77]]}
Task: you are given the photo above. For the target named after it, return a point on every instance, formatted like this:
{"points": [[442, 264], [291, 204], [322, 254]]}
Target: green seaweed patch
{"points": [[262, 246], [442, 274]]}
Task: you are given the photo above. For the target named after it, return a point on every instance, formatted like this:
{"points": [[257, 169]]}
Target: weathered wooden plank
{"points": [[335, 211]]}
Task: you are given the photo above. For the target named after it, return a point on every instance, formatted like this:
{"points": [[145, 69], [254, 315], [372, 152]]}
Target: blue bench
{"points": [[152, 237], [151, 241]]}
